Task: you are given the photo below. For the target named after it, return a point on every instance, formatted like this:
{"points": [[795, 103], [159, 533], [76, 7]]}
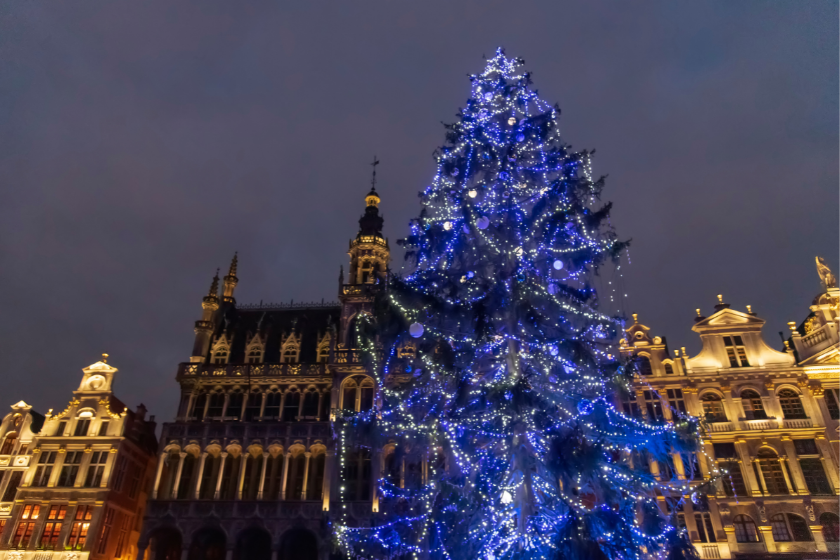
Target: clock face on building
{"points": [[96, 382]]}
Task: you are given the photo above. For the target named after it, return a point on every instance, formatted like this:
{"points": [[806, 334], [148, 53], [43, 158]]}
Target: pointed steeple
{"points": [[231, 280], [204, 326]]}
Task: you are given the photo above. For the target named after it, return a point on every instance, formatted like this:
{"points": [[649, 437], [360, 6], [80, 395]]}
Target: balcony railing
{"points": [[251, 370]]}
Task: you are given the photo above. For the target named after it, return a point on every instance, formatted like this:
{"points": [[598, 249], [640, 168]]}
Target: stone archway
{"points": [[298, 544], [254, 543], [208, 544], [165, 543]]}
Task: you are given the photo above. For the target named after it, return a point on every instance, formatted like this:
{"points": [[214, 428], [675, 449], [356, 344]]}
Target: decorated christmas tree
{"points": [[497, 371]]}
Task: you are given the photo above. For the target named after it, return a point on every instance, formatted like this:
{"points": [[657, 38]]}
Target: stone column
{"points": [[225, 405], [245, 398], [242, 469], [262, 475], [679, 467], [109, 467], [222, 462], [262, 404], [198, 478], [305, 475], [206, 407], [792, 460], [755, 465], [746, 465], [828, 462], [177, 482], [328, 469], [767, 536], [819, 538], [83, 468], [285, 474], [157, 475], [791, 489], [809, 403]]}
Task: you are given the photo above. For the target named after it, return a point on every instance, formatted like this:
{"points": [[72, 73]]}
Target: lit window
{"points": [[753, 407], [832, 403], [745, 529], [676, 400], [26, 526], [81, 524], [220, 356], [52, 529], [788, 527], [736, 351], [791, 405], [713, 408]]}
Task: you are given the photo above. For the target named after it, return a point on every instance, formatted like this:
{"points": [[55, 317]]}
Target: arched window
{"points": [[713, 408], [216, 405], [644, 366], [251, 480], [753, 407], [185, 484], [9, 443], [255, 355], [830, 526], [220, 355], [272, 404], [357, 475], [392, 467], [290, 352], [234, 407], [791, 404], [788, 527], [357, 394], [315, 481], [198, 406], [669, 369], [745, 529], [274, 476], [291, 405], [297, 471], [230, 477], [324, 349], [310, 405], [209, 475], [771, 469], [252, 407]]}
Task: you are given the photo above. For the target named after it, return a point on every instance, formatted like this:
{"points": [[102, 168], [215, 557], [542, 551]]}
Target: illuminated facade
{"points": [[770, 423], [248, 468], [75, 482]]}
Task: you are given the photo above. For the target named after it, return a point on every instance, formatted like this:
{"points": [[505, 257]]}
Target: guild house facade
{"points": [[74, 484], [248, 469], [770, 425]]}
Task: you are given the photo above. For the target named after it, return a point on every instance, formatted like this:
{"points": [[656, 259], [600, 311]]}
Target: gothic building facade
{"points": [[74, 484], [770, 426], [248, 469]]}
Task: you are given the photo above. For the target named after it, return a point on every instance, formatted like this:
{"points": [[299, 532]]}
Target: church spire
{"points": [[204, 326], [231, 280], [369, 252]]}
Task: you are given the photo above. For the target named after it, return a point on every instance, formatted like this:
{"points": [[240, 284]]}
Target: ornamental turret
{"points": [[231, 280], [204, 326], [369, 252]]}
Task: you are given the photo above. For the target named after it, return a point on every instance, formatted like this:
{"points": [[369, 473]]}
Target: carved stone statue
{"points": [[828, 279]]}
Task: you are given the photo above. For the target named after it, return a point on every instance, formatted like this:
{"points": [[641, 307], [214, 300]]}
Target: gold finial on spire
{"points": [[233, 264], [635, 318], [791, 325], [749, 309], [698, 311], [720, 298], [214, 287], [104, 358]]}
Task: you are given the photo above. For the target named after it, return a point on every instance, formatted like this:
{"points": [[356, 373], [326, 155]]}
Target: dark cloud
{"points": [[142, 143]]}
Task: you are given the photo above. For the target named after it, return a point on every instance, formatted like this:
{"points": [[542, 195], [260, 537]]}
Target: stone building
{"points": [[248, 468], [770, 428], [76, 481]]}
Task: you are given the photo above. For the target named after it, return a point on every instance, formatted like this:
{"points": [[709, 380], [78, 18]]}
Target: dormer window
{"points": [[736, 351], [290, 352], [323, 349], [220, 356], [669, 369], [644, 366], [255, 355]]}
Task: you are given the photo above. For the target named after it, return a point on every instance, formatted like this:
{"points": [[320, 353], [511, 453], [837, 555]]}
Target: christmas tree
{"points": [[495, 365]]}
